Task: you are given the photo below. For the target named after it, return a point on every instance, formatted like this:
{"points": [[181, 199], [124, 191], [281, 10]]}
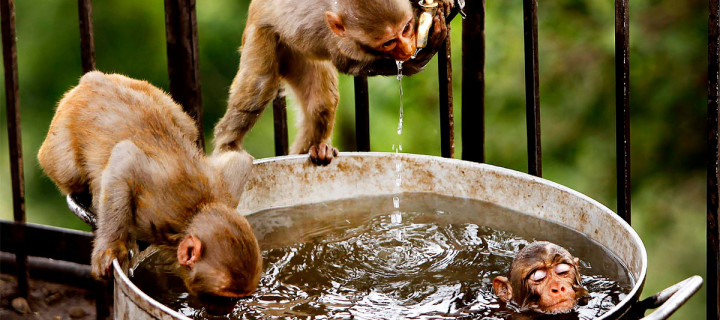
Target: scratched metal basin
{"points": [[293, 180]]}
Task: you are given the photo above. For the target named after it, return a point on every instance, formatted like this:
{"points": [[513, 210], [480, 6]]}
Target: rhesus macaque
{"points": [[133, 149], [306, 43], [543, 277]]}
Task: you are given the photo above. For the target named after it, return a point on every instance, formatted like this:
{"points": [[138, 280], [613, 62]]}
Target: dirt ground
{"points": [[47, 300]]}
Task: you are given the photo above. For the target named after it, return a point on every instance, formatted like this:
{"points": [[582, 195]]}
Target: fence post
{"points": [[622, 106], [473, 82]]}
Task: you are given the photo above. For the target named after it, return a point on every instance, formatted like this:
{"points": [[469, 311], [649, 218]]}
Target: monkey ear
{"points": [[189, 251], [235, 168], [335, 23], [502, 288]]}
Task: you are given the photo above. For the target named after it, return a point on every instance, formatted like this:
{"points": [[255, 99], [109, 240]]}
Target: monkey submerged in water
{"points": [[306, 43], [543, 277], [133, 149]]}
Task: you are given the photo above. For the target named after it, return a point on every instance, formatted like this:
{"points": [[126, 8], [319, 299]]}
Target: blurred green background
{"points": [[576, 41]]}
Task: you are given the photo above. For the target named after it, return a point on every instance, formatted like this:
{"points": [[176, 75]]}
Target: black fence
{"points": [[185, 84]]}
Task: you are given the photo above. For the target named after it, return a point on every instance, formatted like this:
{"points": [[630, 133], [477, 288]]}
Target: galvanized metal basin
{"points": [[293, 180]]}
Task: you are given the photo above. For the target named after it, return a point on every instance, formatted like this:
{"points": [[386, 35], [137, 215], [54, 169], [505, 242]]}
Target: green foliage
{"points": [[577, 93]]}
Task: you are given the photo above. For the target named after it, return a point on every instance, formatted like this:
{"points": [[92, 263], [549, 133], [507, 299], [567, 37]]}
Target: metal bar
{"points": [[7, 11], [280, 124], [87, 42], [532, 87], [49, 242], [473, 82], [183, 58], [713, 163], [622, 106], [42, 268], [362, 114], [447, 120]]}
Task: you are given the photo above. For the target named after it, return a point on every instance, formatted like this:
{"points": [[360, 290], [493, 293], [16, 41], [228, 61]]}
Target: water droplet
{"points": [[396, 202]]}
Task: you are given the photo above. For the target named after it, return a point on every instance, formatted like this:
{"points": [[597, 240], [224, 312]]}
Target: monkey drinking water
{"points": [[543, 277], [133, 149], [305, 43]]}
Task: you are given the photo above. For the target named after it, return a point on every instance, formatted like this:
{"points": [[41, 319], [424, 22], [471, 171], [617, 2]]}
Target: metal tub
{"points": [[293, 180]]}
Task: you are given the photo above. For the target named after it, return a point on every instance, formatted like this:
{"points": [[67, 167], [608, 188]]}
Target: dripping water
{"points": [[399, 78]]}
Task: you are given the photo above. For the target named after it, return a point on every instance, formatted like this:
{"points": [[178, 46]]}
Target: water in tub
{"points": [[353, 259]]}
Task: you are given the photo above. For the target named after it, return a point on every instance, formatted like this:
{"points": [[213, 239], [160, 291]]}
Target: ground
{"points": [[47, 301]]}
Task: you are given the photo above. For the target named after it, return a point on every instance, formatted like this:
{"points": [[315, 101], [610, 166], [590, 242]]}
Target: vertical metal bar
{"points": [[183, 58], [280, 124], [362, 114], [532, 87], [447, 120], [473, 81], [7, 11], [622, 106], [87, 42], [713, 164]]}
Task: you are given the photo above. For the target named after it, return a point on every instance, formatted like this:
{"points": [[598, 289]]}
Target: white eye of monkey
{"points": [[562, 268], [538, 275]]}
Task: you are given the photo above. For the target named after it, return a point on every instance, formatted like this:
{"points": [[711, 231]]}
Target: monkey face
{"points": [[551, 288], [543, 277], [399, 41], [221, 255]]}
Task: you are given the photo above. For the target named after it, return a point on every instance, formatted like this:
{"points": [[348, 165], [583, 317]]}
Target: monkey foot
{"points": [[322, 154]]}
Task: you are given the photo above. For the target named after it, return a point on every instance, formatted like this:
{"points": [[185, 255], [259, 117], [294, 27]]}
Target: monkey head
{"points": [[219, 255], [383, 28], [543, 277]]}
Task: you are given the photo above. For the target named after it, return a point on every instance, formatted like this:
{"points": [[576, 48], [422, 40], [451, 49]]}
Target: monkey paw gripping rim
{"points": [[364, 173]]}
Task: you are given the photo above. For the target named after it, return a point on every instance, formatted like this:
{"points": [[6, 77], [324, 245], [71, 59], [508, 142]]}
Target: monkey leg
{"points": [[315, 85], [58, 159], [255, 85], [116, 207]]}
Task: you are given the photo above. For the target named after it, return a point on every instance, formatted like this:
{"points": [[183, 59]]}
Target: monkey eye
{"points": [[562, 268], [389, 43], [407, 27], [538, 275]]}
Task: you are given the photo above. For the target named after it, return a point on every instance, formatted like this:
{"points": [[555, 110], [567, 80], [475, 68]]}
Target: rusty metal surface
{"points": [[183, 59], [532, 87], [87, 41], [713, 162], [362, 114], [447, 120], [622, 106], [473, 82], [280, 127], [7, 10]]}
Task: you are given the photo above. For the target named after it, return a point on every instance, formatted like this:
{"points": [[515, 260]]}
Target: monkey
{"points": [[305, 44], [133, 149], [543, 277]]}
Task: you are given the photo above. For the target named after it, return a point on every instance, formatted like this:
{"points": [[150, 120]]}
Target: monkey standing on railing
{"points": [[305, 43], [133, 148]]}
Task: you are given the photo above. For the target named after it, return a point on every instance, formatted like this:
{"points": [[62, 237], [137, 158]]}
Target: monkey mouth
{"points": [[561, 306]]}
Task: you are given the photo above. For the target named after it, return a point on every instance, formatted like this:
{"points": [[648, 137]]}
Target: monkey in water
{"points": [[543, 277], [133, 149], [306, 43]]}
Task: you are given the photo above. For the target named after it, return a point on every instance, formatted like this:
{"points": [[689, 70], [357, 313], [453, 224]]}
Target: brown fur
{"points": [[305, 43], [556, 293], [128, 144]]}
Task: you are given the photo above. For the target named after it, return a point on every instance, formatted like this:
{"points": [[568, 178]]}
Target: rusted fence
{"points": [[183, 69]]}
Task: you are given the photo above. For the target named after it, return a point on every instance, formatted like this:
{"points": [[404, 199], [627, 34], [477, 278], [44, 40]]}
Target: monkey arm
{"points": [[255, 85], [116, 207]]}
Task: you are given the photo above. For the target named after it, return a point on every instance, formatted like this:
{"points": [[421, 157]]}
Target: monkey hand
{"points": [[102, 258], [322, 154]]}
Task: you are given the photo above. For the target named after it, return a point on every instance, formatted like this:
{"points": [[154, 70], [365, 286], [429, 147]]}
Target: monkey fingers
{"points": [[322, 154], [103, 256]]}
